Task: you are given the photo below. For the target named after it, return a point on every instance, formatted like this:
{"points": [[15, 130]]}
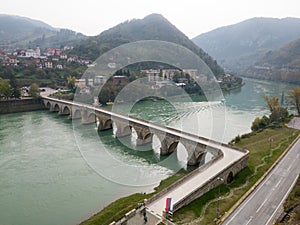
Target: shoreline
{"points": [[20, 105]]}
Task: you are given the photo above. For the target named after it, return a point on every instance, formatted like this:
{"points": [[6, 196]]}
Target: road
{"points": [[262, 205]]}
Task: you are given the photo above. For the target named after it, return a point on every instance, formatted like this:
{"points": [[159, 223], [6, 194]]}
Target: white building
{"points": [[99, 80], [33, 53], [192, 72], [168, 74], [82, 83], [153, 75], [48, 65]]}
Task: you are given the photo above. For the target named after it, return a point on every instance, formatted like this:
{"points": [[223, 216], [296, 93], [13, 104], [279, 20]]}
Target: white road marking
{"points": [[262, 204], [249, 220], [282, 200], [250, 197], [278, 182]]}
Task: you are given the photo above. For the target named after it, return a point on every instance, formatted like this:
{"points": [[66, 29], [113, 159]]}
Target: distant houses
{"points": [[48, 58]]}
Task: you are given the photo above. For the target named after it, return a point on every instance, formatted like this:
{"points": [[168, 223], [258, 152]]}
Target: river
{"points": [[47, 164]]}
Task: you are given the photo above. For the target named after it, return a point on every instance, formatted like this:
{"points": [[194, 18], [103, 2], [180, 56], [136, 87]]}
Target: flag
{"points": [[168, 204]]}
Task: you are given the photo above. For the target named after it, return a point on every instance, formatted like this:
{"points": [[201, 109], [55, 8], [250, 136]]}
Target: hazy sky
{"points": [[192, 17]]}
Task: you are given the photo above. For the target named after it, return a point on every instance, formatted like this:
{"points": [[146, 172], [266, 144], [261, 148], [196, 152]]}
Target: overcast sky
{"points": [[192, 17]]}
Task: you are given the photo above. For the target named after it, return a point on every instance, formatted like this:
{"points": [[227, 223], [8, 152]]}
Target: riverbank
{"points": [[20, 105]]}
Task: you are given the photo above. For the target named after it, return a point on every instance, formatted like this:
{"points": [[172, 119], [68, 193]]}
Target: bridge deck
{"points": [[198, 180]]}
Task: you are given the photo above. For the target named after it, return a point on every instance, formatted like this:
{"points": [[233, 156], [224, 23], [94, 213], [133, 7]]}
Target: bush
{"points": [[260, 123]]}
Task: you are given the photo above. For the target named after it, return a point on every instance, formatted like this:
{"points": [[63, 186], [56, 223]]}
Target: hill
{"points": [[16, 31], [282, 64], [152, 27], [240, 45]]}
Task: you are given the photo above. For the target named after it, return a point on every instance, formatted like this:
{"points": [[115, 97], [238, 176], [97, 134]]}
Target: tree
{"points": [[295, 98], [278, 113], [5, 89], [71, 83], [16, 92], [34, 90], [272, 103]]}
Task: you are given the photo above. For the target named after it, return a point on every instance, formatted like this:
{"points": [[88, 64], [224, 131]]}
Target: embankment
{"points": [[20, 105]]}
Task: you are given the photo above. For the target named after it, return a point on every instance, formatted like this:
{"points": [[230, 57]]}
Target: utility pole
{"points": [[219, 195]]}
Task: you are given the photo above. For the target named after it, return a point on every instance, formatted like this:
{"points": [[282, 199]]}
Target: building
{"points": [[168, 74], [192, 72], [59, 66], [48, 65], [99, 80], [34, 53], [83, 83], [153, 75], [120, 80]]}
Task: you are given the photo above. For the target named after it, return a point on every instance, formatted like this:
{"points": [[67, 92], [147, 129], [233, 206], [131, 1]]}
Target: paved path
{"points": [[138, 219], [196, 181], [262, 205]]}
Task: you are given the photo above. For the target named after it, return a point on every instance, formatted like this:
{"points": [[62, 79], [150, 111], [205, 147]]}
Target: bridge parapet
{"points": [[225, 176]]}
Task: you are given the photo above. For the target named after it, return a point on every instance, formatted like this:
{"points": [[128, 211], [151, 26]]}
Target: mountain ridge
{"points": [[18, 31], [240, 45], [282, 64], [151, 27]]}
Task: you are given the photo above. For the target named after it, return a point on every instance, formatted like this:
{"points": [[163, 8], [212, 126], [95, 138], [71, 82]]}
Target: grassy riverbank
{"points": [[265, 147], [116, 210]]}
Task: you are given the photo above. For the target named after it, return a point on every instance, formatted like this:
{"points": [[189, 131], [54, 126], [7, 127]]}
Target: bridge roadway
{"points": [[193, 183], [230, 157]]}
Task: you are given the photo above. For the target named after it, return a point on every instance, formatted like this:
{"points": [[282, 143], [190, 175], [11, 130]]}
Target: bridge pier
{"points": [[87, 117], [196, 152], [54, 108], [75, 113], [105, 122], [64, 110], [144, 136], [123, 129], [144, 141], [168, 143]]}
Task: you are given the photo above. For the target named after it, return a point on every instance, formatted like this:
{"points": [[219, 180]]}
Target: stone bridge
{"points": [[225, 164], [124, 126]]}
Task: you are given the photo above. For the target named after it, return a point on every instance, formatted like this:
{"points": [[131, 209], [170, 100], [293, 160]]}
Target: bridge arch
{"points": [[108, 123], [48, 105], [66, 110], [121, 129], [173, 147], [148, 135], [229, 178], [91, 117], [76, 113], [56, 108]]}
